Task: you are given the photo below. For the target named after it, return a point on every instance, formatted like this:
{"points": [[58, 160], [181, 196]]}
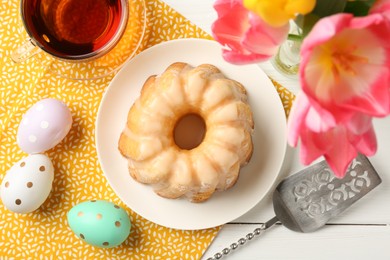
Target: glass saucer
{"points": [[111, 62]]}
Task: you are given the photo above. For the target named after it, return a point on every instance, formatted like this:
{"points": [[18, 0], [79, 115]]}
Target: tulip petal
{"points": [[296, 118], [261, 38], [314, 145], [375, 102], [300, 6], [345, 67], [231, 24], [339, 165], [341, 154], [245, 37], [319, 120], [278, 12], [338, 144], [367, 144], [359, 124], [382, 7], [242, 58]]}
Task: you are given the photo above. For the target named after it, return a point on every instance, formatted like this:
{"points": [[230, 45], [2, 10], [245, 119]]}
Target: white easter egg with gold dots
{"points": [[27, 184]]}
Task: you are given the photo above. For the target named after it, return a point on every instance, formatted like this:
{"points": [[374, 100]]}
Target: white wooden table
{"points": [[361, 232]]}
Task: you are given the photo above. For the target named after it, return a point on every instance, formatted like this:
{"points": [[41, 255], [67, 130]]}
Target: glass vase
{"points": [[287, 59]]}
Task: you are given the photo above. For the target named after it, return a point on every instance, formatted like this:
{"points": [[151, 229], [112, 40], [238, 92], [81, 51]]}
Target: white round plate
{"points": [[255, 179]]}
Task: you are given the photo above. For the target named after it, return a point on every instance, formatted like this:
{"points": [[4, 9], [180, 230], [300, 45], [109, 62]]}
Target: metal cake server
{"points": [[307, 200]]}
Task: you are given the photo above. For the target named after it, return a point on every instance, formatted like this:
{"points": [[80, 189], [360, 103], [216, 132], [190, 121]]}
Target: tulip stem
{"points": [[295, 37]]}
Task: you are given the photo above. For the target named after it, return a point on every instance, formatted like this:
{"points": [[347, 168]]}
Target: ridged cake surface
{"points": [[148, 142]]}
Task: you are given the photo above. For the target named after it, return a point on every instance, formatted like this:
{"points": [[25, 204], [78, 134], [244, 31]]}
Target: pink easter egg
{"points": [[43, 126]]}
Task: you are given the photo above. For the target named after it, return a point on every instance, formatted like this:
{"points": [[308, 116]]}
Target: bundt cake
{"points": [[189, 132]]}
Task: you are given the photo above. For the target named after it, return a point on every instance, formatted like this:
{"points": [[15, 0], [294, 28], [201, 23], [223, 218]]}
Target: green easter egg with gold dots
{"points": [[99, 223]]}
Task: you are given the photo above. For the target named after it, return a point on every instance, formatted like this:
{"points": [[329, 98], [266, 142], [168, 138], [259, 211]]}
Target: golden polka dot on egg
{"points": [[82, 236], [99, 216], [18, 202], [80, 214], [22, 164], [6, 184], [117, 223], [105, 244], [42, 168], [29, 184]]}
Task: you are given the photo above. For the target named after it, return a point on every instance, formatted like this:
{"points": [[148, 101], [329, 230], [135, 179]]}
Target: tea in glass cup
{"points": [[76, 30]]}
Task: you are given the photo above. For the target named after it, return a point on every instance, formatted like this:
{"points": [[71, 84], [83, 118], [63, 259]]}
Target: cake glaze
{"points": [[148, 142]]}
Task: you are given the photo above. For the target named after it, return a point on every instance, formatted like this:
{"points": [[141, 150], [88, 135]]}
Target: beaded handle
{"points": [[258, 231]]}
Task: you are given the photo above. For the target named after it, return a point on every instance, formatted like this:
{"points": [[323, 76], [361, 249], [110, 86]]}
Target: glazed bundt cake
{"points": [[189, 132]]}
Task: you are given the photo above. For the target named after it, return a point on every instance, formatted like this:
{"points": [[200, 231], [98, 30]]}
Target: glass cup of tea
{"points": [[71, 30]]}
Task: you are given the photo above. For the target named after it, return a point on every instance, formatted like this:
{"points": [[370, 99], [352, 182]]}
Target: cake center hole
{"points": [[189, 131]]}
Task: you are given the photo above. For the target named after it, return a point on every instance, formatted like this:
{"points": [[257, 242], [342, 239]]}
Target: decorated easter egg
{"points": [[27, 184], [99, 223], [44, 125]]}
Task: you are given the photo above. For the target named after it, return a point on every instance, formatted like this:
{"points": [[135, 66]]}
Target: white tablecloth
{"points": [[361, 232]]}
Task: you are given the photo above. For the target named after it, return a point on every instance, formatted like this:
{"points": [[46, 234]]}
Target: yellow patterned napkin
{"points": [[286, 97], [78, 176]]}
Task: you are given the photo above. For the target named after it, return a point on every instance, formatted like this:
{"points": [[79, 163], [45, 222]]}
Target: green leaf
{"points": [[309, 21], [369, 2], [323, 8], [294, 37], [328, 7], [359, 8]]}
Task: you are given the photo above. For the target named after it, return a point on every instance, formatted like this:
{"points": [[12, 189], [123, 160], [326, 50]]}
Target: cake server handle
{"points": [[258, 231]]}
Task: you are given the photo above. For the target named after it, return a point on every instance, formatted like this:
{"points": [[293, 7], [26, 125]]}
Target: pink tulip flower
{"points": [[245, 37], [339, 144], [345, 66], [345, 78]]}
